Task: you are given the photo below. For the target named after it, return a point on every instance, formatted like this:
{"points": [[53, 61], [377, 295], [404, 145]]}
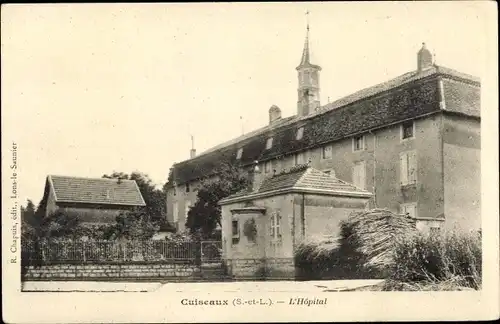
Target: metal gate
{"points": [[211, 252]]}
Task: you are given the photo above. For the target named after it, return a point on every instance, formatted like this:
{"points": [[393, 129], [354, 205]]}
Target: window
{"points": [[267, 167], [235, 229], [358, 143], [188, 206], [359, 175], [188, 189], [408, 171], [409, 210], [300, 158], [407, 130], [275, 231], [300, 133], [269, 143], [175, 212], [327, 152], [239, 153]]}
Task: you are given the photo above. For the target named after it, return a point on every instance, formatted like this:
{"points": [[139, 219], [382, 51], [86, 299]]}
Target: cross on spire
{"points": [[307, 18]]}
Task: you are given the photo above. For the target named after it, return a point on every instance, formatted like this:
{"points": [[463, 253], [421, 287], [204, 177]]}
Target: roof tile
{"points": [[96, 191], [408, 96]]}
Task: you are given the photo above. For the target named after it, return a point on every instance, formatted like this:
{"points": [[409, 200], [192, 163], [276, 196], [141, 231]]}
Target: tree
{"points": [[132, 225], [28, 212], [28, 221], [154, 198], [204, 216], [60, 225]]}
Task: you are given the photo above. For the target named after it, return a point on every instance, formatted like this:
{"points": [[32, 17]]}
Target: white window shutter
{"points": [[412, 167], [175, 212], [362, 175], [413, 211], [404, 168]]}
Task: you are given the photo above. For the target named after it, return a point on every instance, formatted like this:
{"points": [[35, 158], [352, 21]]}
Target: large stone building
{"points": [[413, 141]]}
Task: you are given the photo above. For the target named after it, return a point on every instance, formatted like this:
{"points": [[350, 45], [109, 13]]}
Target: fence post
{"points": [[83, 248]]}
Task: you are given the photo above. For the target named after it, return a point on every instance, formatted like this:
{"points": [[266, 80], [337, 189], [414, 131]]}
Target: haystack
{"points": [[374, 233]]}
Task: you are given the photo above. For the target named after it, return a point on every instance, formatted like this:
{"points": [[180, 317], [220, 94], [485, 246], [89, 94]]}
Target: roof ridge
{"points": [[282, 122], [89, 178], [308, 171]]}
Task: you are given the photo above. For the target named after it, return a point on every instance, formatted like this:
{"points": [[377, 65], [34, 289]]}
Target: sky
{"points": [[90, 89]]}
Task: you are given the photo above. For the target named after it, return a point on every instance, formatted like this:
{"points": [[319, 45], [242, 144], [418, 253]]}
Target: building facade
{"points": [[93, 201], [263, 225], [413, 141]]}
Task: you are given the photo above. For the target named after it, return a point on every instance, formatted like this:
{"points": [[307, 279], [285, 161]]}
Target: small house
{"points": [[262, 225], [93, 200]]}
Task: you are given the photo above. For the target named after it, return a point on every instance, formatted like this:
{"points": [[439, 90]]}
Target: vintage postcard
{"points": [[250, 162]]}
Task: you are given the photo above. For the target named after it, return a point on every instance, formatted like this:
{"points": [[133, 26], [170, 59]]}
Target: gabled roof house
{"points": [[94, 200]]}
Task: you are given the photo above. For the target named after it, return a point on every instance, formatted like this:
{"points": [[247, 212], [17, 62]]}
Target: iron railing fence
{"points": [[46, 251]]}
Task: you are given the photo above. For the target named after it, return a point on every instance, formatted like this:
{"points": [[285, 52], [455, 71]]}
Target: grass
{"points": [[437, 262]]}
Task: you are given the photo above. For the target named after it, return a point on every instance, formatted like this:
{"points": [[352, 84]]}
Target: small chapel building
{"points": [[262, 225]]}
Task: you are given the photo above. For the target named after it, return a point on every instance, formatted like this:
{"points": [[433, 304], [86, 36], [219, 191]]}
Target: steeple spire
{"points": [[308, 75], [305, 53]]}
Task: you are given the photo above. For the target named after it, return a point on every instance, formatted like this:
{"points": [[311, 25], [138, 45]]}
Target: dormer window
{"points": [[239, 153], [300, 133], [269, 143]]}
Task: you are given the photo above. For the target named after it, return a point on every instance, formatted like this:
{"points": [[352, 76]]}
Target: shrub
{"points": [[451, 259], [363, 249]]}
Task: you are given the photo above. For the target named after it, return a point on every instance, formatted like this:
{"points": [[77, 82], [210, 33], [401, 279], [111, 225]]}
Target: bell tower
{"points": [[308, 74]]}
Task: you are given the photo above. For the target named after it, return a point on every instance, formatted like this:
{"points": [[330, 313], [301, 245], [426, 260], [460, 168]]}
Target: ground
{"points": [[158, 287]]}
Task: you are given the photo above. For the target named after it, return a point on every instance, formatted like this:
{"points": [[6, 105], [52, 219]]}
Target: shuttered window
{"points": [[327, 152], [267, 167], [359, 175], [188, 206], [175, 212], [408, 172], [299, 158], [275, 232], [358, 143]]}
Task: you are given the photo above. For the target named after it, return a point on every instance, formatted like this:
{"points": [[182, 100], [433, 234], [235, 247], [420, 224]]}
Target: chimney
{"points": [[424, 58], [274, 114], [192, 152], [255, 177]]}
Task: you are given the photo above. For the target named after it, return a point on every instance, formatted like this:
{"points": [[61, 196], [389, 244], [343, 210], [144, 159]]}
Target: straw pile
{"points": [[373, 234]]}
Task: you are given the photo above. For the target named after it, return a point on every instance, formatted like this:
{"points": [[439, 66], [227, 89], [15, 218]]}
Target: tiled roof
{"points": [[408, 96], [302, 177], [307, 178], [96, 191]]}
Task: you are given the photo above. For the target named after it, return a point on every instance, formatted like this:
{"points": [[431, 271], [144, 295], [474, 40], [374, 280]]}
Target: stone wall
{"points": [[113, 272], [271, 268]]}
